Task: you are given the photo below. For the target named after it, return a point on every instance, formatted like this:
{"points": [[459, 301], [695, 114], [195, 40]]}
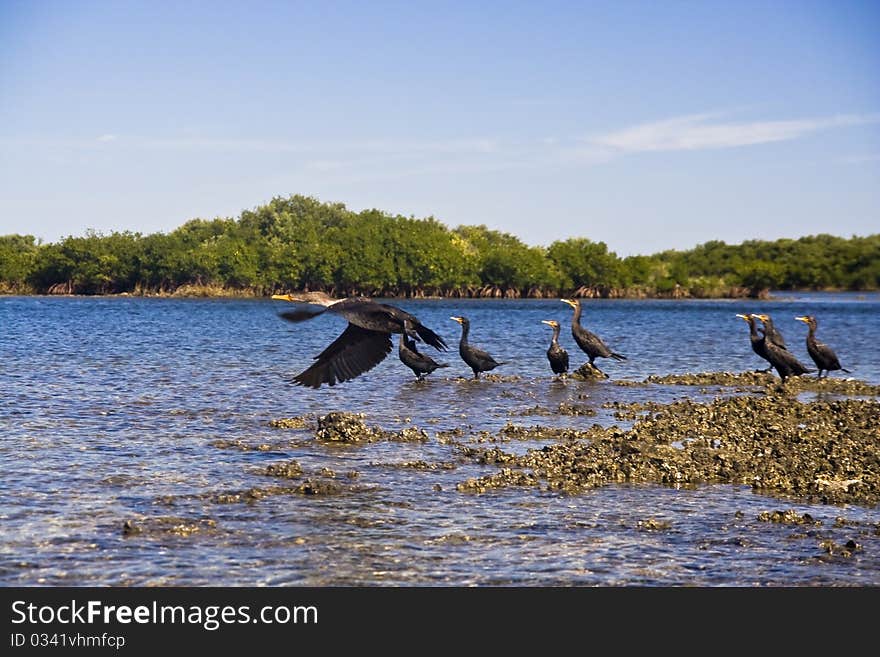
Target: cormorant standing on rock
{"points": [[771, 332], [783, 360], [556, 354], [364, 343], [590, 343], [821, 353], [477, 359]]}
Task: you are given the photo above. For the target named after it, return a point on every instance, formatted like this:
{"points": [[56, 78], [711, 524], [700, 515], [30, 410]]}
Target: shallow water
{"points": [[119, 409]]}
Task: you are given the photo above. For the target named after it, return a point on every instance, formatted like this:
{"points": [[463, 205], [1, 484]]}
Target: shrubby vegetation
{"points": [[300, 243]]}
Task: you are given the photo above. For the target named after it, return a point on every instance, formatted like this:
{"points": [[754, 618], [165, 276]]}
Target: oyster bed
{"points": [[826, 450]]}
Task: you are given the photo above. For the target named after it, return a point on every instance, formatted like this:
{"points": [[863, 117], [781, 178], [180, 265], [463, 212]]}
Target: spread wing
{"points": [[302, 312], [395, 314], [430, 337], [354, 352]]}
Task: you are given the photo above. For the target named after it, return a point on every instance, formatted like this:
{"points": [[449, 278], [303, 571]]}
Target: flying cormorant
{"points": [[590, 343], [556, 354], [821, 353], [364, 343], [477, 359]]}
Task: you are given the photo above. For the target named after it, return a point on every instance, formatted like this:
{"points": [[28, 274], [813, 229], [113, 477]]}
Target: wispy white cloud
{"points": [[864, 158], [704, 131], [366, 146], [326, 165], [321, 147], [389, 157]]}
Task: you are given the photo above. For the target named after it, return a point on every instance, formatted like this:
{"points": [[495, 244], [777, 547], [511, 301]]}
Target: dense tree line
{"points": [[301, 243]]}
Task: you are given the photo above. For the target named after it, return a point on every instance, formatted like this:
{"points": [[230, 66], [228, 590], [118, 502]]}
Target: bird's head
{"points": [[550, 322], [574, 303], [317, 298], [747, 318], [764, 318], [460, 320], [809, 320]]}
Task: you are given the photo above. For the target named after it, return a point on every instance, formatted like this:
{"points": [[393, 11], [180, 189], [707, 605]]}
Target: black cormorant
{"points": [[771, 331], [477, 359], [757, 340], [782, 359], [556, 354], [821, 353], [421, 364], [364, 343], [590, 343]]}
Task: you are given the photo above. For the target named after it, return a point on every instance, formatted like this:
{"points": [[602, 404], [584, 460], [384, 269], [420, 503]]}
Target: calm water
{"points": [[112, 409]]}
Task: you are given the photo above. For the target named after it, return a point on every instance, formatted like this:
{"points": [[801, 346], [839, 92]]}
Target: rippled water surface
{"points": [[150, 410]]}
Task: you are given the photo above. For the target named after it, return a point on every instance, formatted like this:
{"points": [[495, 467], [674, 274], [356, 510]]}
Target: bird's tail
{"points": [[616, 356], [443, 365], [843, 369], [431, 338]]}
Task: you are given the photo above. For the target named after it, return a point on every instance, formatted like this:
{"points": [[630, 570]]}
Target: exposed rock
{"points": [[288, 470], [823, 451], [795, 384], [164, 525], [351, 428], [296, 422], [587, 372], [344, 427], [788, 518]]}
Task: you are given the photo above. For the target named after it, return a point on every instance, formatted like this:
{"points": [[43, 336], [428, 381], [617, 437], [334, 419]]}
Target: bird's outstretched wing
{"points": [[430, 337], [354, 352], [302, 312]]}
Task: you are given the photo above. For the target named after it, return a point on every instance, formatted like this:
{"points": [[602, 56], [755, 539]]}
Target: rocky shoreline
{"points": [[758, 434], [822, 451], [811, 442]]}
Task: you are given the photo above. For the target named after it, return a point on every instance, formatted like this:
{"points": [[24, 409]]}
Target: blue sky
{"points": [[646, 125]]}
